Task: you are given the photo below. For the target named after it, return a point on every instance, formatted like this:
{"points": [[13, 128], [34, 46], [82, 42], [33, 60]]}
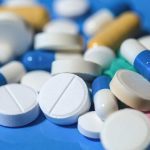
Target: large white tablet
{"points": [[64, 98]]}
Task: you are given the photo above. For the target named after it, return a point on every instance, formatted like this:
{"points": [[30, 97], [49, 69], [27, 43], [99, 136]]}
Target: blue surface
{"points": [[43, 135]]}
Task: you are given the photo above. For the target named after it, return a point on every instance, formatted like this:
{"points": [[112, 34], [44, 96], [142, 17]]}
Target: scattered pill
{"points": [[18, 105], [64, 98], [105, 102], [62, 26], [137, 55], [126, 130], [145, 40], [100, 55], [85, 69], [35, 79], [71, 8], [90, 125], [132, 89]]}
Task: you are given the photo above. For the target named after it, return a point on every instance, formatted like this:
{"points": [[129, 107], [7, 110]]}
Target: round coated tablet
{"points": [[71, 8], [132, 89], [35, 79], [90, 125], [126, 130], [145, 40], [85, 69], [64, 98], [18, 105], [62, 26], [58, 41]]}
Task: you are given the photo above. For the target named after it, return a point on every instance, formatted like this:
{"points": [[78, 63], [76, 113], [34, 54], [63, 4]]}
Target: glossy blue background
{"points": [[43, 135]]}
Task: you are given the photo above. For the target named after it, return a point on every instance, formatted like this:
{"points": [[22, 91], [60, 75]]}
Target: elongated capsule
{"points": [[36, 16], [114, 34]]}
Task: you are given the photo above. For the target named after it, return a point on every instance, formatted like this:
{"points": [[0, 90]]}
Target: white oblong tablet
{"points": [[18, 105], [145, 40], [132, 89], [85, 69], [58, 42], [90, 125], [62, 26], [100, 55], [64, 98], [35, 79], [71, 8], [126, 130]]}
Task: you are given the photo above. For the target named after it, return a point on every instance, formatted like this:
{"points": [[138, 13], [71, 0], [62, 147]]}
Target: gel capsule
{"points": [[137, 55], [104, 101]]}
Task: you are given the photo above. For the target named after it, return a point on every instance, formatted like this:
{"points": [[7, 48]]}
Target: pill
{"points": [[36, 16], [11, 43], [18, 105], [137, 55], [145, 40], [64, 98], [105, 102], [118, 64], [90, 125], [126, 129], [71, 8], [58, 42], [11, 72], [62, 26], [126, 25], [35, 79], [100, 55], [42, 60], [132, 89], [85, 69]]}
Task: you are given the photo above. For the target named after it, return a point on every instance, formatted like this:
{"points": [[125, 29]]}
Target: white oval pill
{"points": [[71, 8], [35, 79], [86, 70], [132, 89], [145, 40], [64, 98], [18, 105], [126, 130], [90, 125], [58, 42], [62, 26], [100, 55]]}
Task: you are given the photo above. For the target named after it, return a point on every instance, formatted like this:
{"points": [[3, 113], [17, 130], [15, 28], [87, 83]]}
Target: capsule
{"points": [[137, 55], [116, 32], [105, 102], [36, 16], [145, 40]]}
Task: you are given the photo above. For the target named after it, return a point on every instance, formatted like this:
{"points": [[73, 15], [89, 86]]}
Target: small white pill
{"points": [[100, 55], [90, 125], [71, 8], [126, 130], [35, 79], [145, 40], [64, 98], [58, 42], [86, 70], [18, 105], [97, 22], [62, 26]]}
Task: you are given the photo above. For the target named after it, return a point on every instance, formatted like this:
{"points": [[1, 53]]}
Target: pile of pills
{"points": [[48, 67]]}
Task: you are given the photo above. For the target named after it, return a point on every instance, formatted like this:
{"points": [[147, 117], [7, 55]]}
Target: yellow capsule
{"points": [[36, 16], [125, 26]]}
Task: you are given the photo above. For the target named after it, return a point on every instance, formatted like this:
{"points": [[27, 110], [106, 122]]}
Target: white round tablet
{"points": [[71, 8], [132, 89], [90, 125], [35, 79], [62, 26], [18, 105], [126, 130], [85, 69], [64, 98], [145, 40]]}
